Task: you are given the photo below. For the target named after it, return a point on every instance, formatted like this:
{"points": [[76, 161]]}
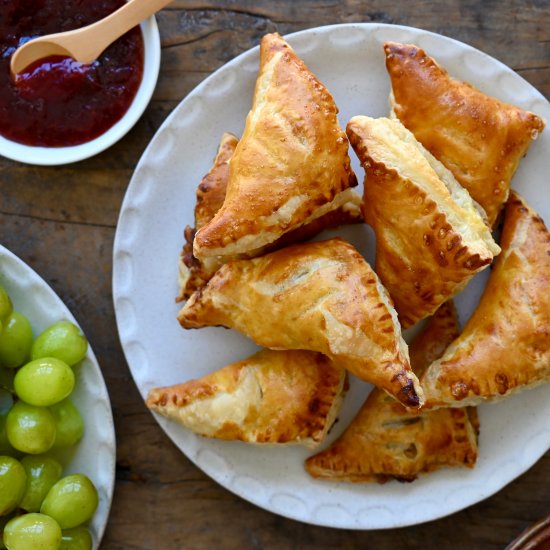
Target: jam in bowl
{"points": [[58, 110]]}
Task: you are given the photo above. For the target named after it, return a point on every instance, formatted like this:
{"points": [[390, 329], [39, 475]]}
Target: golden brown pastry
{"points": [[430, 237], [320, 296], [384, 441], [505, 346], [212, 189], [271, 397], [479, 138], [291, 165], [195, 273]]}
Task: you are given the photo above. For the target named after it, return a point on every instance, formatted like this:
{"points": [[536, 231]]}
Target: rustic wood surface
{"points": [[62, 220]]}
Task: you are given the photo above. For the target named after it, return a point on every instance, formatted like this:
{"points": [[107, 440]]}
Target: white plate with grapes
{"points": [[57, 439]]}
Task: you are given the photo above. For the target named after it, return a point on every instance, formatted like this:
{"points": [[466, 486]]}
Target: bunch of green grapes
{"points": [[38, 507]]}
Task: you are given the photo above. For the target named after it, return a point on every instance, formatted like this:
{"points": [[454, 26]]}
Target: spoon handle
{"points": [[88, 43]]}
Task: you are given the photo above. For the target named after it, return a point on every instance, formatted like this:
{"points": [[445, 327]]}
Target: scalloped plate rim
{"points": [[168, 427]]}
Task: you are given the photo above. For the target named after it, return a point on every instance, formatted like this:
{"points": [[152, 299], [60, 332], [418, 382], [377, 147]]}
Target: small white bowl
{"points": [[51, 156]]}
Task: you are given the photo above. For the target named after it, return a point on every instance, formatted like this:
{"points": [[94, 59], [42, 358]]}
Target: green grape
{"points": [[30, 429], [15, 340], [7, 377], [68, 422], [6, 403], [71, 501], [78, 538], [63, 340], [42, 474], [44, 382], [6, 448], [32, 532], [3, 521], [6, 307], [12, 484]]}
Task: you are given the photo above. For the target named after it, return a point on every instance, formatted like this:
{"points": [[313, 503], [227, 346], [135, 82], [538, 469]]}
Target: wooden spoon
{"points": [[87, 43]]}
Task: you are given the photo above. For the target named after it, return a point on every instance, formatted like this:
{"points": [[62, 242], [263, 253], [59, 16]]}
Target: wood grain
{"points": [[62, 222]]}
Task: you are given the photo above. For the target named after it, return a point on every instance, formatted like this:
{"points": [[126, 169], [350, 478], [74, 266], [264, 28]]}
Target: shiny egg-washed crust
{"points": [[291, 164], [479, 138], [505, 346], [385, 442], [320, 296], [273, 397], [212, 189], [430, 344], [194, 273], [430, 236]]}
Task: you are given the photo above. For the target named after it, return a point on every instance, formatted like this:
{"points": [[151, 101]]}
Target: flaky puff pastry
{"points": [[505, 346], [479, 138], [430, 236], [320, 296], [385, 441], [195, 273], [291, 164], [272, 397]]}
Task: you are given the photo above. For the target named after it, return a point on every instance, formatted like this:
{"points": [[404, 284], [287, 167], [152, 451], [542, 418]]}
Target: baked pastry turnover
{"points": [[320, 296], [271, 397], [384, 441], [291, 165], [479, 138], [195, 273], [430, 236], [505, 346]]}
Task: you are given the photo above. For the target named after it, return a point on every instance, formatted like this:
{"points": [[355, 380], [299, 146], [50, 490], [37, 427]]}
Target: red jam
{"points": [[58, 102]]}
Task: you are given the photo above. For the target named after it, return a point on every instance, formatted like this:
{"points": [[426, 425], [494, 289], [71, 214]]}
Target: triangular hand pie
{"points": [[291, 165], [195, 273], [430, 237], [479, 138], [430, 344], [212, 189], [505, 346], [320, 296], [385, 441], [271, 397]]}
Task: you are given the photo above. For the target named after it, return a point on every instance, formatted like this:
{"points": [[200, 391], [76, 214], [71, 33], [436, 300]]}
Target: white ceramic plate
{"points": [[159, 203], [95, 454]]}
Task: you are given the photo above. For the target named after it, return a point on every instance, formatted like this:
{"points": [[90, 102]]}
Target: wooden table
{"points": [[62, 220]]}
